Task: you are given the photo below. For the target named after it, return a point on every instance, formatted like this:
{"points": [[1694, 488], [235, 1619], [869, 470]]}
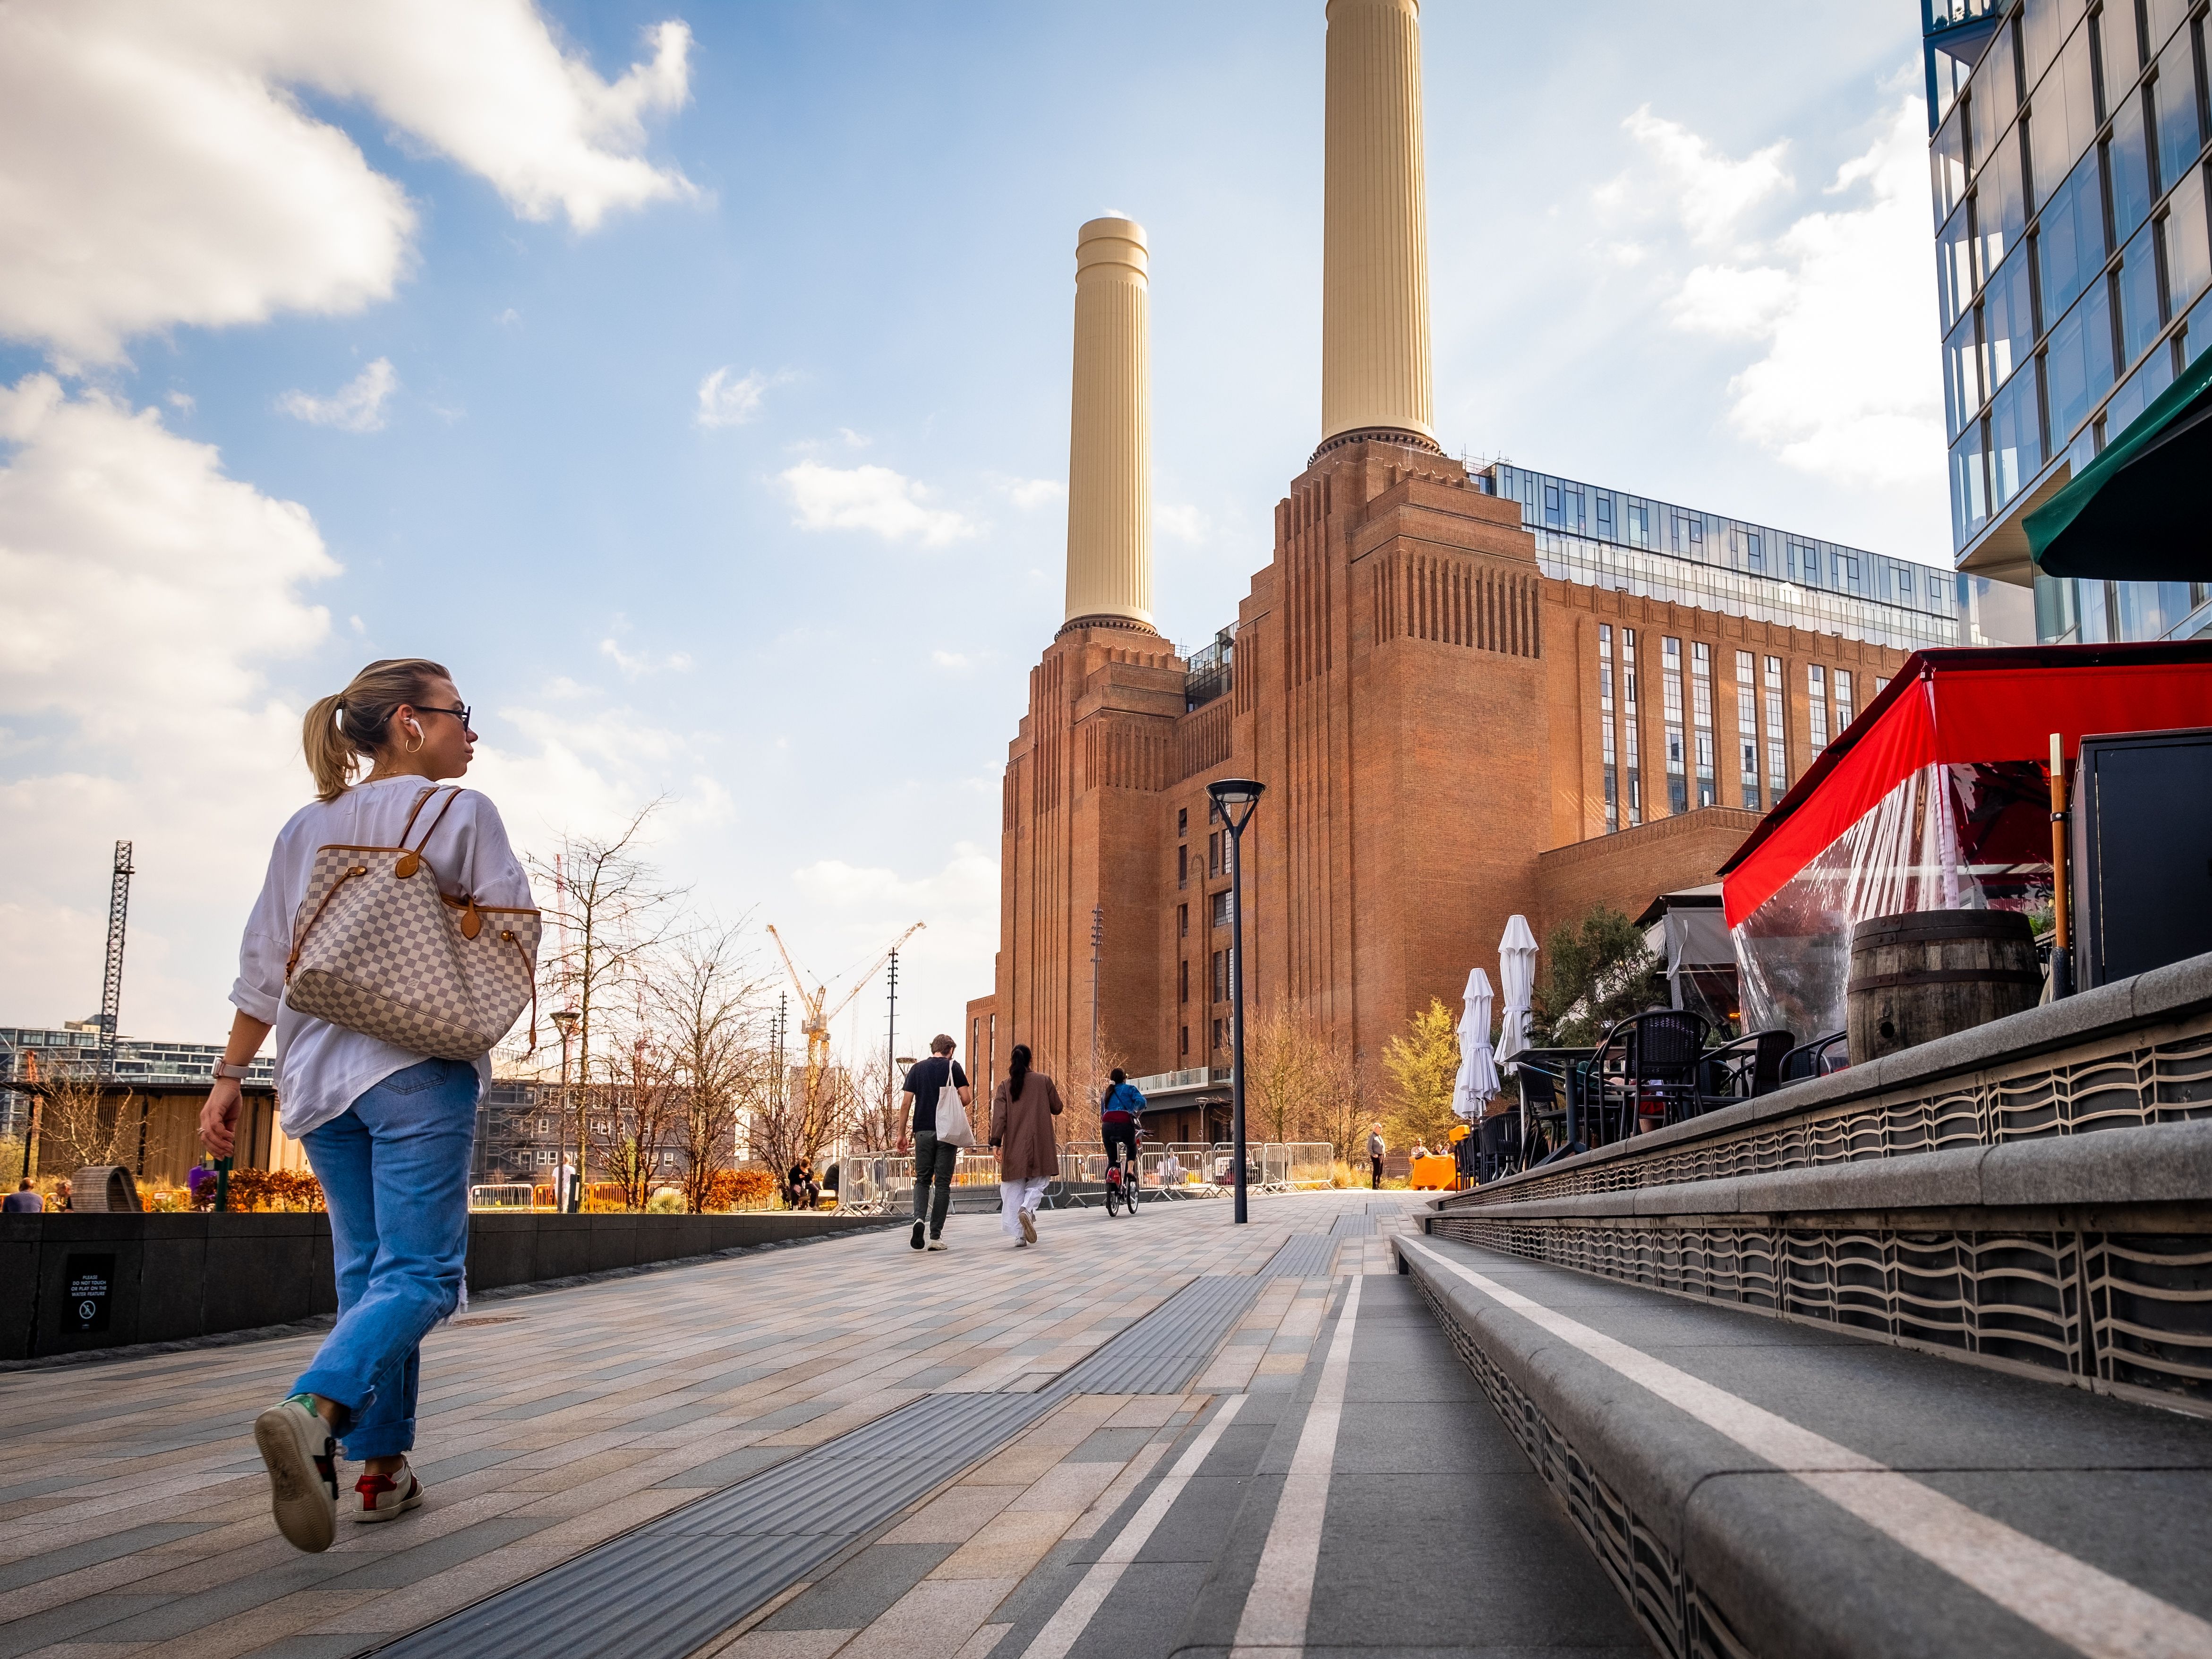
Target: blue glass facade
{"points": [[1609, 538], [2067, 159]]}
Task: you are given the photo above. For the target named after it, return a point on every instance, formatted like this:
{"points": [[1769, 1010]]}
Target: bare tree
{"points": [[78, 1126], [612, 912], [1299, 1080], [811, 1110], [635, 1117], [710, 1011]]}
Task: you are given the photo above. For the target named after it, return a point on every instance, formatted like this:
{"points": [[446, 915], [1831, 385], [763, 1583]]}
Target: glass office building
{"points": [[2073, 257], [1610, 538]]}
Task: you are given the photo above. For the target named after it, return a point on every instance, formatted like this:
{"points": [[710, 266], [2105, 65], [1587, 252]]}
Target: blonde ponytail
{"points": [[342, 731]]}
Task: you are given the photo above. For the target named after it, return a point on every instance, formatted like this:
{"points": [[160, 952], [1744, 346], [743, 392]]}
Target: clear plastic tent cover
{"points": [[1975, 837]]}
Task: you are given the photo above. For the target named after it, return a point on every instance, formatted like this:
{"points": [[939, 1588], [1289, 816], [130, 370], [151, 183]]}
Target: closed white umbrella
{"points": [[1477, 1077], [1517, 970]]}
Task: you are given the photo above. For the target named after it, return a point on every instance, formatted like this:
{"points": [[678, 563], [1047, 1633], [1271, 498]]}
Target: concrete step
{"points": [[1758, 1487]]}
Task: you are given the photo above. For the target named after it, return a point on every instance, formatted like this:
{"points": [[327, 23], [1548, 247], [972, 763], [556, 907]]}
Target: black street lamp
{"points": [[1234, 800]]}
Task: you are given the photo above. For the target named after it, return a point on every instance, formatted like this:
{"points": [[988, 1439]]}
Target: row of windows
{"points": [[1688, 713], [1573, 509], [2073, 233]]}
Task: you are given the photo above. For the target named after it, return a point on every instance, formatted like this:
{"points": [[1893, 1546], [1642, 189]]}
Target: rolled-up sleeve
{"points": [[259, 988]]}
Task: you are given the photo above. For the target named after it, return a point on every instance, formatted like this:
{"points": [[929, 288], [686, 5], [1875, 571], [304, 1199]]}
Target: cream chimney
{"points": [[1375, 232], [1109, 440]]}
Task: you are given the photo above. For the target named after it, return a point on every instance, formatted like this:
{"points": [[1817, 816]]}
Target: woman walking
{"points": [[387, 1130], [1022, 1112]]}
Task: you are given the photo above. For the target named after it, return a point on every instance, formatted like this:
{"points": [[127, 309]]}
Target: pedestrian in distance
{"points": [[387, 1129], [1022, 1112], [1118, 1114], [62, 1200], [935, 1159], [1374, 1157], [24, 1200], [802, 1190]]}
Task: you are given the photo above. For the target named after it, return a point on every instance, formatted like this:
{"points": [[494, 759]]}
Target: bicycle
{"points": [[1121, 1184]]}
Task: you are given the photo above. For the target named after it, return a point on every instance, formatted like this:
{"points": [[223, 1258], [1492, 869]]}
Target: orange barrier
{"points": [[1436, 1173]]}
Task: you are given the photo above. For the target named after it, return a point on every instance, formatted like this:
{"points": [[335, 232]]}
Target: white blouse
{"points": [[322, 1068]]}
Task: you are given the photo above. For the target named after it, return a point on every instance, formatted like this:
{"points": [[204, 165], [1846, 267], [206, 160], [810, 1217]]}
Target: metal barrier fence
{"points": [[512, 1195], [872, 1183]]}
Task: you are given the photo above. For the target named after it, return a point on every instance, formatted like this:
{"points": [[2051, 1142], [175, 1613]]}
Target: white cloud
{"points": [[1029, 493], [161, 170], [725, 402], [872, 498], [1708, 191], [509, 318], [638, 664], [854, 440], [1847, 386], [1185, 524], [856, 909], [956, 661], [356, 407], [1731, 302], [146, 592], [183, 402]]}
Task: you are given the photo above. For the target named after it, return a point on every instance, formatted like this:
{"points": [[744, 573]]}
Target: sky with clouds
{"points": [[693, 379]]}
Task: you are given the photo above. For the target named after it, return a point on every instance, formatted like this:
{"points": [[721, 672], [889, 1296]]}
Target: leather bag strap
{"points": [[410, 824], [422, 844]]}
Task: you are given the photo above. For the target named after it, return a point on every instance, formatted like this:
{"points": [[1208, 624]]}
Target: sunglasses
{"points": [[460, 714]]}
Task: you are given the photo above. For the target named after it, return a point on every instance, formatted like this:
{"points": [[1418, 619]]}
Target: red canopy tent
{"points": [[1936, 797]]}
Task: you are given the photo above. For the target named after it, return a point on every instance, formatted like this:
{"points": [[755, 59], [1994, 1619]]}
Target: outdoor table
{"points": [[1569, 1069]]}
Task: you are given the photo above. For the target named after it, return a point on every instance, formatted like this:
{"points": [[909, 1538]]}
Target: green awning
{"points": [[2139, 512]]}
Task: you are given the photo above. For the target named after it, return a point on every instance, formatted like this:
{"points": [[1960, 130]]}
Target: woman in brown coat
{"points": [[1022, 1112]]}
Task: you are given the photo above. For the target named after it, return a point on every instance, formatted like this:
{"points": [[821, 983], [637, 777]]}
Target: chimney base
{"points": [[1379, 434], [1073, 623]]}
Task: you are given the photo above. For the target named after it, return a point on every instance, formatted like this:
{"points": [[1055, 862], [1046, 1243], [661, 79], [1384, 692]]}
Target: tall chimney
{"points": [[1109, 440], [1375, 232]]}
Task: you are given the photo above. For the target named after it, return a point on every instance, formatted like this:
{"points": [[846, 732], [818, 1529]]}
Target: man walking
{"points": [[1375, 1156], [933, 1160]]}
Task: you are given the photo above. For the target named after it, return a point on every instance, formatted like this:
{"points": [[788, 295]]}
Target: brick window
{"points": [[1182, 866], [1605, 730], [1214, 852], [1747, 726], [1183, 921], [1816, 707], [1670, 690], [1182, 820], [1221, 976], [1221, 908], [1184, 1048], [1632, 774], [1220, 1035], [1701, 717], [1182, 980], [1844, 710], [1777, 752]]}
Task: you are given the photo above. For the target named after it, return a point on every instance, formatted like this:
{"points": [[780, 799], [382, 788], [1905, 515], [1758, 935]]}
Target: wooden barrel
{"points": [[1929, 973]]}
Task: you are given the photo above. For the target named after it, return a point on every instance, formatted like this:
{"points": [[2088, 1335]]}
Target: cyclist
{"points": [[1120, 1117]]}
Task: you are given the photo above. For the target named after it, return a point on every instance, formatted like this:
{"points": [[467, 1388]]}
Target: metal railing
{"points": [[503, 1195], [876, 1183]]}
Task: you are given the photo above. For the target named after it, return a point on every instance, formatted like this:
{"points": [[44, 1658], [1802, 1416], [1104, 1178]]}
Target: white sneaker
{"points": [[302, 1456], [1028, 1226], [385, 1497], [937, 1244]]}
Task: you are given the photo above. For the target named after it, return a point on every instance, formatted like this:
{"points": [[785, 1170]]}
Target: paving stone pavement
{"points": [[134, 1516]]}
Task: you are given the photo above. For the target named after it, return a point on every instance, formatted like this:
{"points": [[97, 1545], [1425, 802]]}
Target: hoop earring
{"points": [[418, 741]]}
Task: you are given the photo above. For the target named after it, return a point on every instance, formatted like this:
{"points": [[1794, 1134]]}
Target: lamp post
{"points": [[564, 1021], [1235, 798]]}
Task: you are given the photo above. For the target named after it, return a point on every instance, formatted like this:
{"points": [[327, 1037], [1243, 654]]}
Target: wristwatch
{"points": [[223, 1069]]}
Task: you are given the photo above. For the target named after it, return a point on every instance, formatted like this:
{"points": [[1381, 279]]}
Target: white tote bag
{"points": [[952, 1126]]}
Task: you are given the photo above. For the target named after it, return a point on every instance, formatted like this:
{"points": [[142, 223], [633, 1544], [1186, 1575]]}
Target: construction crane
{"points": [[815, 1012], [110, 986]]}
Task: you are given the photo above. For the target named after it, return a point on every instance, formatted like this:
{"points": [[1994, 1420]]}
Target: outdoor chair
{"points": [[1814, 1059], [1648, 1057], [1745, 1069], [1499, 1143], [1547, 1107]]}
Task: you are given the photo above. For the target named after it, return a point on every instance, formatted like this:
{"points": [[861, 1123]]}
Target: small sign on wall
{"points": [[87, 1293]]}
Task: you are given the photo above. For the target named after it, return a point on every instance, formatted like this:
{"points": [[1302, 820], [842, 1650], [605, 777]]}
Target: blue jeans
{"points": [[395, 1172]]}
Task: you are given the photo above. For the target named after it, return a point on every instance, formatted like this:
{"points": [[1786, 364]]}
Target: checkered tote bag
{"points": [[377, 948]]}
